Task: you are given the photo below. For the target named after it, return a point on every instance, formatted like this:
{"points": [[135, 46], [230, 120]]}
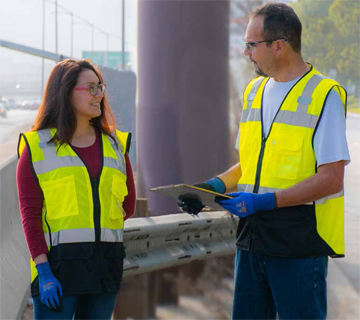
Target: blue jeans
{"points": [[85, 306], [266, 285]]}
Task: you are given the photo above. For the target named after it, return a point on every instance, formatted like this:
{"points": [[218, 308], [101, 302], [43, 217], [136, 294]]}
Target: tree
{"points": [[331, 37]]}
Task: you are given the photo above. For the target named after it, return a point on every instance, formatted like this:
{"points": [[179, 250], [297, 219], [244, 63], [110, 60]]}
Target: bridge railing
{"points": [[152, 243]]}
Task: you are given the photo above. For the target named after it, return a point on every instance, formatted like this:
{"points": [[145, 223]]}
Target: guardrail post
{"points": [[137, 298], [168, 286]]}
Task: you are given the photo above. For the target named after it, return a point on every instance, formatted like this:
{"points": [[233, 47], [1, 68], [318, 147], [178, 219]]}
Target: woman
{"points": [[75, 186]]}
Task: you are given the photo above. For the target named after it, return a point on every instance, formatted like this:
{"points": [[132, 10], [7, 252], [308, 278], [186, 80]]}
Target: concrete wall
{"points": [[121, 94], [14, 267]]}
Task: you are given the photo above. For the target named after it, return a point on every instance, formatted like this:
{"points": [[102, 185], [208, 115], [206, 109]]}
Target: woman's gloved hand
{"points": [[244, 204], [193, 205], [50, 287]]}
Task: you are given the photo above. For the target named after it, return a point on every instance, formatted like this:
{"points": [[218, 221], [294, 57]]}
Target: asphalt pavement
{"points": [[344, 274], [17, 121]]}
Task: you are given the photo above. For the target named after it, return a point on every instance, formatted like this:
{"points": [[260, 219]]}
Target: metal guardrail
{"points": [[33, 51], [166, 241], [152, 243]]}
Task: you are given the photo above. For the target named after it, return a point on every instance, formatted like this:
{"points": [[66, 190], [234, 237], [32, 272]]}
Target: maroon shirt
{"points": [[31, 197]]}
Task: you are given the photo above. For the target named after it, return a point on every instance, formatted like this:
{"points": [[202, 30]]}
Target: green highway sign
{"points": [[110, 59]]}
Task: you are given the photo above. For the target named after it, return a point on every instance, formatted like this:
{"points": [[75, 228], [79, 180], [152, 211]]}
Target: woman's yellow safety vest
{"points": [[281, 160], [71, 195]]}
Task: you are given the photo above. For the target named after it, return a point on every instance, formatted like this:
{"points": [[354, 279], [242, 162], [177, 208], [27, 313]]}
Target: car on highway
{"points": [[3, 111], [9, 103], [30, 104]]}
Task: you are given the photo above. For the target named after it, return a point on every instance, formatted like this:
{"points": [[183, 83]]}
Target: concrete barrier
{"points": [[14, 267]]}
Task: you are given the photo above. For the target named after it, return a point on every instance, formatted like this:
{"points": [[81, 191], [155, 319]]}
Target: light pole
{"points": [[56, 27], [123, 36], [72, 35], [93, 27], [43, 47], [107, 38], [71, 30], [92, 37]]}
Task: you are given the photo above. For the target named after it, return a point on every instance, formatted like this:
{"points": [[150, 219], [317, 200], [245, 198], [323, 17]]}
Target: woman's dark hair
{"points": [[280, 21], [56, 110]]}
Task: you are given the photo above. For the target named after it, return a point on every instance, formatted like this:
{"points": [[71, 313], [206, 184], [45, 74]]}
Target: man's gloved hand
{"points": [[244, 204], [190, 205], [194, 206], [50, 287]]}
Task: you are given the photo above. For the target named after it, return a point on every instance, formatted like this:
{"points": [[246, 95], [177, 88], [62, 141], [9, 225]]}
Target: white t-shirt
{"points": [[330, 144]]}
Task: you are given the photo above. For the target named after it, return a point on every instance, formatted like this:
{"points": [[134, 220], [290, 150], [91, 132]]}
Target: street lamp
{"points": [[43, 47], [56, 27], [72, 31], [123, 36], [92, 36]]}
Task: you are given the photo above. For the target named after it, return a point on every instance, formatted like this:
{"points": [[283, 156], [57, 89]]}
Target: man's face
{"points": [[259, 54]]}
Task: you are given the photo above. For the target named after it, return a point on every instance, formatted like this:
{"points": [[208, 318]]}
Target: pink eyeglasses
{"points": [[93, 90]]}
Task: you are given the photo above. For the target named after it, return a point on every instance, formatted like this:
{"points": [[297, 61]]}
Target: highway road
{"points": [[15, 121], [351, 262]]}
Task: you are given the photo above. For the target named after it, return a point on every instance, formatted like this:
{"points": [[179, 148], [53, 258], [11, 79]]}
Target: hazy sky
{"points": [[21, 22]]}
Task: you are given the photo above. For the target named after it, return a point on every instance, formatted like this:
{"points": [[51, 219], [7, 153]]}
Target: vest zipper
{"points": [[252, 218], [97, 213], [263, 142], [95, 187], [95, 182], [50, 237], [259, 165]]}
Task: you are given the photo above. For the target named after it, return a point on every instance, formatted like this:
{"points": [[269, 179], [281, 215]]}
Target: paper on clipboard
{"points": [[205, 196]]}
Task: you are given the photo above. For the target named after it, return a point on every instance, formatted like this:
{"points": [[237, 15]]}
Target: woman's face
{"points": [[85, 105]]}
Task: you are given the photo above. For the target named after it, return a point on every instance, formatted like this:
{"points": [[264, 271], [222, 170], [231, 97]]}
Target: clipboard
{"points": [[207, 197]]}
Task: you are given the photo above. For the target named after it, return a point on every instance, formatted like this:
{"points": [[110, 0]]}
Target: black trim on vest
{"points": [[18, 144], [29, 150], [284, 232], [76, 266], [316, 127], [263, 137], [128, 142], [346, 98], [35, 176]]}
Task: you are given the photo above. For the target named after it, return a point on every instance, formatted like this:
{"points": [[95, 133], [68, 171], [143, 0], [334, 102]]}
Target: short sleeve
{"points": [[237, 147], [330, 143]]}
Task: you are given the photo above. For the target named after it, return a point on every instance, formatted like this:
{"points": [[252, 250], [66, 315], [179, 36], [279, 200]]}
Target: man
{"points": [[290, 199]]}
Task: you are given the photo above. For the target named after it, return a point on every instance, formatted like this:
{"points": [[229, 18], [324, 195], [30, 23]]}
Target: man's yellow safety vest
{"points": [[77, 209], [281, 160]]}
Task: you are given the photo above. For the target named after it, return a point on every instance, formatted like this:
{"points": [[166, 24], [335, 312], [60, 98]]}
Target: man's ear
{"points": [[279, 47]]}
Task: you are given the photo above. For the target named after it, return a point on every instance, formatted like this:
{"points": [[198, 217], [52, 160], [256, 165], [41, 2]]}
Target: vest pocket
{"points": [[114, 254], [118, 193], [60, 198], [75, 266], [288, 157]]}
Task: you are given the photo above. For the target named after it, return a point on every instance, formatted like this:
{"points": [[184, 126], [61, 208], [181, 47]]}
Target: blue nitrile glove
{"points": [[50, 287], [244, 204], [193, 205]]}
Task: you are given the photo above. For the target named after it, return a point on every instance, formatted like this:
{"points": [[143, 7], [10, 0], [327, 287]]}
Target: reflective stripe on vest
{"points": [[66, 185], [68, 207], [52, 161], [299, 118], [286, 157], [82, 235]]}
